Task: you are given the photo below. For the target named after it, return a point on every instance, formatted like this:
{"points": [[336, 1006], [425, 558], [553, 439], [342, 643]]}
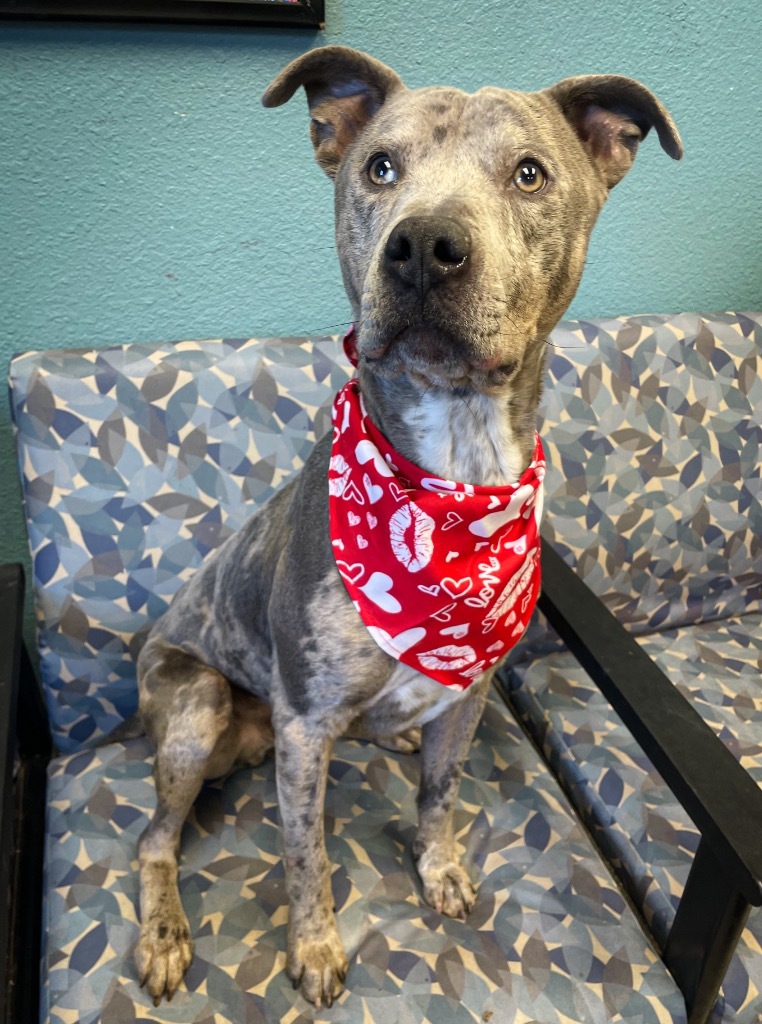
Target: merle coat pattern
{"points": [[462, 224]]}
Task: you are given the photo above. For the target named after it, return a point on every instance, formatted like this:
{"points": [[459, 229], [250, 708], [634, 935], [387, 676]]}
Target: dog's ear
{"points": [[344, 87], [611, 114]]}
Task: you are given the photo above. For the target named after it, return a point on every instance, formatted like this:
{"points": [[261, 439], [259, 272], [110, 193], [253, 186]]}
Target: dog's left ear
{"points": [[345, 89], [611, 115]]}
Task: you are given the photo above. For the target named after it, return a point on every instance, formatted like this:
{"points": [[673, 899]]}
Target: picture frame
{"points": [[282, 13]]}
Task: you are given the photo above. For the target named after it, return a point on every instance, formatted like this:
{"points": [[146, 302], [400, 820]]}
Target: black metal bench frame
{"points": [[720, 797]]}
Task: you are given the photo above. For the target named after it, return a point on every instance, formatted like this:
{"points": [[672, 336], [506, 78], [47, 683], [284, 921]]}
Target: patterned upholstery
{"points": [[652, 430], [654, 494], [644, 833], [137, 461], [551, 938]]}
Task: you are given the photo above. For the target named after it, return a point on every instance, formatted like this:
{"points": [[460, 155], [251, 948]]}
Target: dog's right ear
{"points": [[344, 87]]}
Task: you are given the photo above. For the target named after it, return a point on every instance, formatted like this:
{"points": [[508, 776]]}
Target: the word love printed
{"points": [[489, 575]]}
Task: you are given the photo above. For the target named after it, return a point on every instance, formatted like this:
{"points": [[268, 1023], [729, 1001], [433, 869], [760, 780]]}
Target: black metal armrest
{"points": [[721, 798], [25, 749]]}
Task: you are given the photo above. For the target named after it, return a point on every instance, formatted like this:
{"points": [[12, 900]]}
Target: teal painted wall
{"points": [[146, 194]]}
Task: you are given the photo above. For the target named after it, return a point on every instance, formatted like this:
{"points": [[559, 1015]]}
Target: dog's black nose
{"points": [[421, 252]]}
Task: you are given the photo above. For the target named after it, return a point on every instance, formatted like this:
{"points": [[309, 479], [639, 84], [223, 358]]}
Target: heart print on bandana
{"points": [[423, 542]]}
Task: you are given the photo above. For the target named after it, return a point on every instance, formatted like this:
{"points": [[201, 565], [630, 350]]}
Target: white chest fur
{"points": [[469, 440]]}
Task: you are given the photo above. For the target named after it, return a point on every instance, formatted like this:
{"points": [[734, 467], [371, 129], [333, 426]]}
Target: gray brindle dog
{"points": [[462, 223]]}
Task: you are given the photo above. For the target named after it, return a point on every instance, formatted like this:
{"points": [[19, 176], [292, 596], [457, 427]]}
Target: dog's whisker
{"points": [[421, 397], [465, 402], [331, 327], [547, 341], [562, 348]]}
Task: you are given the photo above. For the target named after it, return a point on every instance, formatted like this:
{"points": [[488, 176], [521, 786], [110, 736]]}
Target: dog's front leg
{"points": [[444, 745], [316, 960]]}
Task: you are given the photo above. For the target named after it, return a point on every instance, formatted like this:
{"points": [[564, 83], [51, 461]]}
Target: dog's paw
{"points": [[447, 888], [163, 954], [319, 968]]}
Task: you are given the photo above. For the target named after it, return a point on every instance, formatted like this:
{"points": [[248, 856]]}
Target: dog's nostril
{"points": [[446, 250], [404, 249], [398, 248]]}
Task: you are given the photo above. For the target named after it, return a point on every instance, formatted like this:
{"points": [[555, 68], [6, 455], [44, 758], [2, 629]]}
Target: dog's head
{"points": [[462, 220]]}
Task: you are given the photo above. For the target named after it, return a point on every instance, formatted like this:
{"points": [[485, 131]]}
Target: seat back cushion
{"points": [[653, 432], [136, 462]]}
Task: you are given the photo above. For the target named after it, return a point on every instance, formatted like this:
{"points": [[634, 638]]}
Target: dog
{"points": [[462, 225]]}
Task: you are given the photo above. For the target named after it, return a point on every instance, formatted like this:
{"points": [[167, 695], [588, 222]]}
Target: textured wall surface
{"points": [[146, 194]]}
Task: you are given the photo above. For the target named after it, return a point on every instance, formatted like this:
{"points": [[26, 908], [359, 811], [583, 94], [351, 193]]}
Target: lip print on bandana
{"points": [[410, 532], [444, 575], [449, 657], [338, 481]]}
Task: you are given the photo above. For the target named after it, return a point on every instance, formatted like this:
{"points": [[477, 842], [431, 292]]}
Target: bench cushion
{"points": [[551, 938], [643, 831], [137, 461]]}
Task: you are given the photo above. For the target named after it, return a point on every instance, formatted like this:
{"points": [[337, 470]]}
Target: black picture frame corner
{"points": [[308, 14]]}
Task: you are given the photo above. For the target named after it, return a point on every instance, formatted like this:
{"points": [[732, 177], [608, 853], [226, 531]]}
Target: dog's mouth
{"points": [[430, 355]]}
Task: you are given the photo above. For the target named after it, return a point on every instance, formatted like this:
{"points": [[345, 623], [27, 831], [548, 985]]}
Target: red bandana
{"points": [[444, 575]]}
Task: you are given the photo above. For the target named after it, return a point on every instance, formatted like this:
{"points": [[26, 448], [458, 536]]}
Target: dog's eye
{"points": [[381, 170], [529, 176]]}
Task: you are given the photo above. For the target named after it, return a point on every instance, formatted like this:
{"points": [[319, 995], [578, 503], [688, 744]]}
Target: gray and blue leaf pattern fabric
{"points": [[136, 462], [550, 939], [654, 440], [139, 460]]}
